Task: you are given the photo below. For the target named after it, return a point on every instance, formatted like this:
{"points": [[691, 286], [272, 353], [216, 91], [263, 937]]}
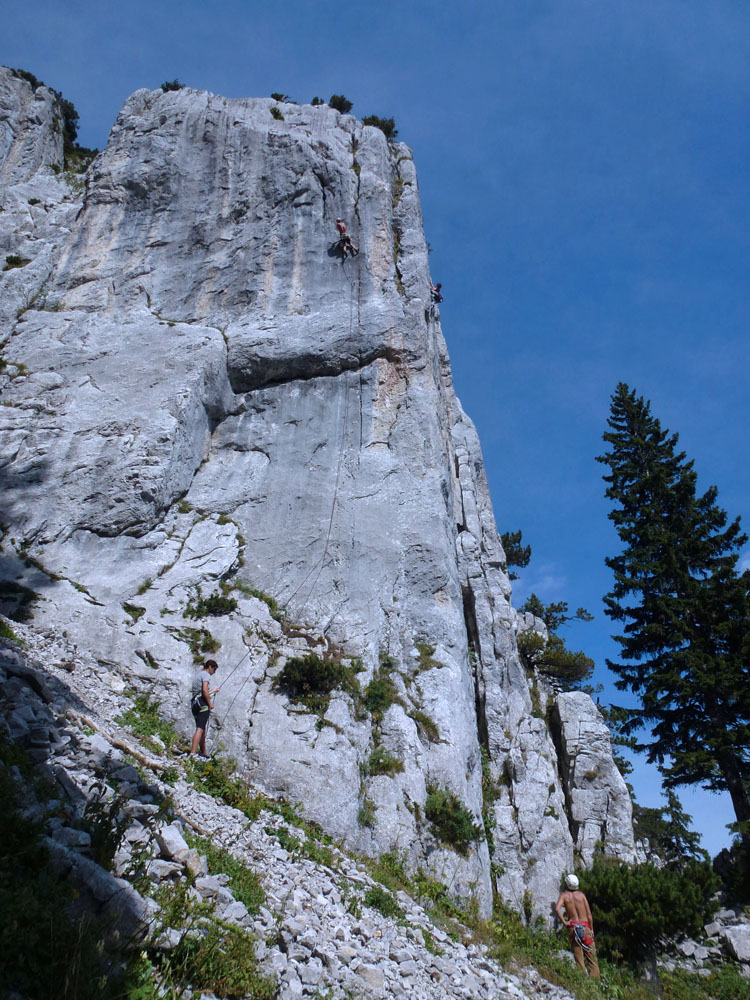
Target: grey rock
{"points": [[225, 399], [170, 840], [157, 869], [372, 975], [737, 938], [71, 837]]}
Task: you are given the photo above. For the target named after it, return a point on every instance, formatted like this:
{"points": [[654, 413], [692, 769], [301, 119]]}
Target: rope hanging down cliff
{"points": [[320, 563]]}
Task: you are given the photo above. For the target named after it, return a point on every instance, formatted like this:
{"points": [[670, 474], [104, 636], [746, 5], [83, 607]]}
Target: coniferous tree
{"points": [[684, 609]]}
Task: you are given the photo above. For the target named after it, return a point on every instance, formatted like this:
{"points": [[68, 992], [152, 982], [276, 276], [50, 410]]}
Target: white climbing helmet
{"points": [[571, 881]]}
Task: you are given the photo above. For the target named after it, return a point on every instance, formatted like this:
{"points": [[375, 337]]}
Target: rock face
{"points": [[202, 399]]}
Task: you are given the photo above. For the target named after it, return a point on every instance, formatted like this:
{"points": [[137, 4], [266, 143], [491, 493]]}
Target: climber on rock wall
{"points": [[437, 295], [345, 240], [580, 925], [201, 705]]}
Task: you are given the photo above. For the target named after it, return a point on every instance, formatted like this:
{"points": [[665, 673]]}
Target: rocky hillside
{"points": [[218, 435], [155, 862]]}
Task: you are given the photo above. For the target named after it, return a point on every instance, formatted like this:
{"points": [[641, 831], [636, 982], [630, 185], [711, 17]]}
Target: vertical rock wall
{"points": [[221, 400]]}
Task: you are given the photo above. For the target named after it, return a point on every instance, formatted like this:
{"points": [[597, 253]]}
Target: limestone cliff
{"points": [[199, 393]]}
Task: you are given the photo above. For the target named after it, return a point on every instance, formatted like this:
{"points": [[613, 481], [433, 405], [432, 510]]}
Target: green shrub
{"points": [[273, 606], [451, 821], [380, 899], [340, 103], [281, 98], [316, 101], [172, 85], [211, 956], [310, 681], [635, 907], [216, 778], [134, 610], [275, 113], [426, 727], [381, 761], [200, 641], [722, 983], [144, 721], [386, 125], [49, 948], [380, 694], [16, 601], [367, 812], [243, 881], [15, 260], [214, 606], [6, 632]]}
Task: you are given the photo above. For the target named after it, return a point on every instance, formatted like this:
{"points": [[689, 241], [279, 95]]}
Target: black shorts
{"points": [[201, 714]]}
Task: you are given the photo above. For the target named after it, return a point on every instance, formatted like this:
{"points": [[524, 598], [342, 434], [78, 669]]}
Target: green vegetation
{"points": [[184, 507], [6, 632], [308, 848], [134, 610], [245, 588], [200, 641], [310, 681], [48, 948], [634, 907], [144, 721], [381, 692], [426, 653], [381, 761], [216, 777], [426, 727], [172, 85], [276, 113], [16, 601], [243, 881], [367, 812], [317, 101], [516, 554], [211, 956], [145, 585], [15, 260], [340, 103], [380, 899], [551, 656], [683, 607], [451, 821], [281, 98], [386, 125], [210, 607]]}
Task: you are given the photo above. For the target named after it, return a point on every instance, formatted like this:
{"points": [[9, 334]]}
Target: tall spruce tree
{"points": [[684, 610]]}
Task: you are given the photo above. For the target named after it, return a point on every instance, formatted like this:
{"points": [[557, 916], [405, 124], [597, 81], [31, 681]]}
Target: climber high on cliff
{"points": [[345, 240], [580, 925], [437, 295]]}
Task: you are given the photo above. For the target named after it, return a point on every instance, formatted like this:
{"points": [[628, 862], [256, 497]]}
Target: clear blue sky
{"points": [[583, 166]]}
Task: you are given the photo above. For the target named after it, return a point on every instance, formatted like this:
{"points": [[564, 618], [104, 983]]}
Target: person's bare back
{"points": [[577, 909]]}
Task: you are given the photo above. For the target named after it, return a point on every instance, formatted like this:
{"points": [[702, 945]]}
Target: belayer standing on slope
{"points": [[580, 925], [201, 705], [345, 240]]}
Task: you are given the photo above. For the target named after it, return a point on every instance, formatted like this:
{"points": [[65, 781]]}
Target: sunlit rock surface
{"points": [[198, 391]]}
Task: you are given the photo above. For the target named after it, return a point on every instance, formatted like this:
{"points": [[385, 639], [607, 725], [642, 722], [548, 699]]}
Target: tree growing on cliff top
{"points": [[551, 656], [684, 609]]}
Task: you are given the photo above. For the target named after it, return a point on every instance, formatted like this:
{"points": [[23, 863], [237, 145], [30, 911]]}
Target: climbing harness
{"points": [[579, 936]]}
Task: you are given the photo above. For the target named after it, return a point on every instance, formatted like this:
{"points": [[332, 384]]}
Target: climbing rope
{"points": [[321, 562]]}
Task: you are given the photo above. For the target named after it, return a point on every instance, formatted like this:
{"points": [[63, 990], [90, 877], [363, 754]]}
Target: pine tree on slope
{"points": [[684, 609]]}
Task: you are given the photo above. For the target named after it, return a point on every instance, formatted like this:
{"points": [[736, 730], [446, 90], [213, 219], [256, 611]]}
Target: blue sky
{"points": [[583, 166]]}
